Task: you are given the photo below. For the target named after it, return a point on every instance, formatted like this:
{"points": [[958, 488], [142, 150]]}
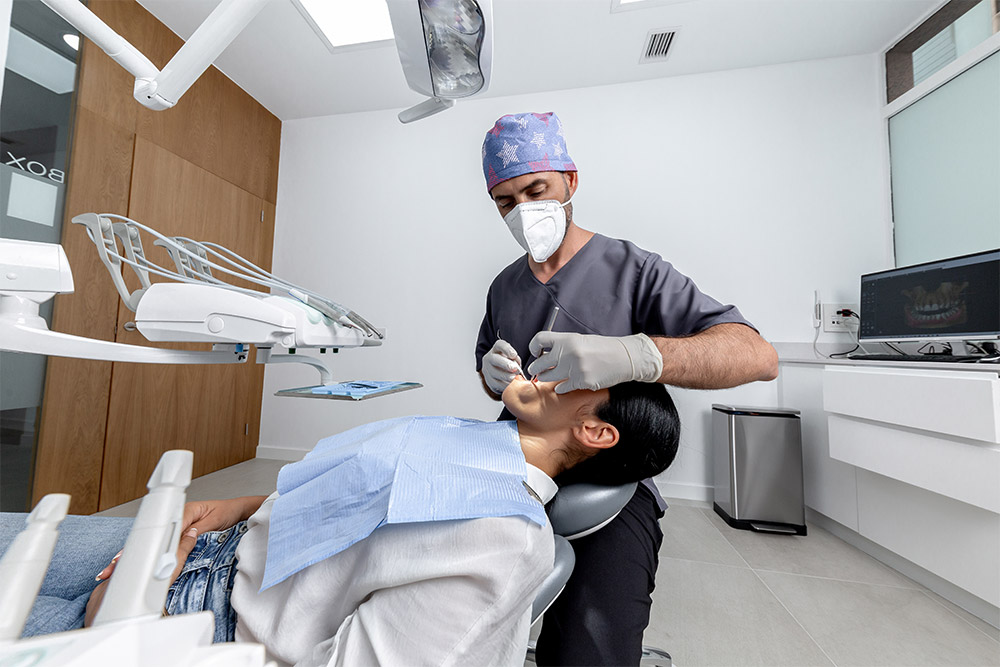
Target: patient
{"points": [[423, 588]]}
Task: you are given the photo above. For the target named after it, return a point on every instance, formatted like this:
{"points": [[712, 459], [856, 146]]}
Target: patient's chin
{"points": [[517, 393]]}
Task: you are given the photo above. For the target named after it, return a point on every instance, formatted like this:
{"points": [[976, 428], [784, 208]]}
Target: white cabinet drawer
{"points": [[967, 471], [966, 405], [957, 542]]}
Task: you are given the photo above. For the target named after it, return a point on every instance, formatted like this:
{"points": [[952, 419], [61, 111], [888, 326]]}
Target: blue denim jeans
{"points": [[88, 543], [206, 581]]}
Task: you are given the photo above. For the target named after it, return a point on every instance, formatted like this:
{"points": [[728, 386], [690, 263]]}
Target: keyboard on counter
{"points": [[953, 358]]}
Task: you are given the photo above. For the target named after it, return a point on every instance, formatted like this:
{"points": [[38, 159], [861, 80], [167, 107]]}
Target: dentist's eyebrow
{"points": [[534, 184]]}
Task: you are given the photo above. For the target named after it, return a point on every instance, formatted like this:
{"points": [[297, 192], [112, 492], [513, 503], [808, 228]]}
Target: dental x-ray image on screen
{"points": [[957, 298]]}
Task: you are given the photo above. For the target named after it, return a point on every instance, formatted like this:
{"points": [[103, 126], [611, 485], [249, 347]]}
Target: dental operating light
{"points": [[445, 48]]}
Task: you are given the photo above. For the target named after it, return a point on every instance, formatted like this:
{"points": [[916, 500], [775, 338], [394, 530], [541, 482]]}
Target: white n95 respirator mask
{"points": [[538, 226]]}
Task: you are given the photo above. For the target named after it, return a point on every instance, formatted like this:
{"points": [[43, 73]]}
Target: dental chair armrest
{"points": [[580, 509], [553, 585]]}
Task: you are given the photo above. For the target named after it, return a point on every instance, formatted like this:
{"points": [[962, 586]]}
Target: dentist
{"points": [[625, 314]]}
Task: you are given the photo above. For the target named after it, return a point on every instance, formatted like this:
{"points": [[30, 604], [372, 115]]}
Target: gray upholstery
{"points": [[577, 510], [565, 559], [581, 508]]}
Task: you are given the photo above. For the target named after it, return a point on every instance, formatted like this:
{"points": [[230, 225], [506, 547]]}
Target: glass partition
{"points": [[944, 154], [35, 120]]}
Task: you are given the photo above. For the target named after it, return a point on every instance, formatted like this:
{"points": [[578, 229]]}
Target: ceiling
{"points": [[547, 45]]}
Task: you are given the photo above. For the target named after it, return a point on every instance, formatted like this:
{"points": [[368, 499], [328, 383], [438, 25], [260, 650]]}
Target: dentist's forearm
{"points": [[722, 356]]}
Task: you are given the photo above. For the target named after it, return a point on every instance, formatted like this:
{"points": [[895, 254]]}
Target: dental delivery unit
{"points": [[199, 303]]}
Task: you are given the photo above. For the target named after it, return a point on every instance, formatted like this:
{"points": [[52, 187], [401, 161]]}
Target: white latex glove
{"points": [[593, 362], [500, 365]]}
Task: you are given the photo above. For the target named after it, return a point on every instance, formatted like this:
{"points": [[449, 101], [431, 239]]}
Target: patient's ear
{"points": [[595, 433]]}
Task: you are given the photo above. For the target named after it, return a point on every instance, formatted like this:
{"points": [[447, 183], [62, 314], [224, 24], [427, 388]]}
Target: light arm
{"points": [[154, 88], [76, 14], [722, 356]]}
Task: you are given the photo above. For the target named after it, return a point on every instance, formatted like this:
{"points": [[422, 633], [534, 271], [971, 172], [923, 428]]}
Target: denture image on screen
{"points": [[937, 309]]}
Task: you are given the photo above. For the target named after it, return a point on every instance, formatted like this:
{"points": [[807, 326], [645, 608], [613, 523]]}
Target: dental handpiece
{"points": [[549, 323]]}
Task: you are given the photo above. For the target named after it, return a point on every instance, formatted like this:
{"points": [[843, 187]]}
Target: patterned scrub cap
{"points": [[523, 144]]}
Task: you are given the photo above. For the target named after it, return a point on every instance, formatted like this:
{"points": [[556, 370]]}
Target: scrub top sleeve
{"points": [[668, 303]]}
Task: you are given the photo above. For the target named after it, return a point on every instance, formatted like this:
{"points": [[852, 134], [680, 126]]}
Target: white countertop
{"points": [[803, 353]]}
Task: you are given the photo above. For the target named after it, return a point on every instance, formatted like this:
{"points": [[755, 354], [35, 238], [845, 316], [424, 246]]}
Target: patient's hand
{"points": [[206, 515]]}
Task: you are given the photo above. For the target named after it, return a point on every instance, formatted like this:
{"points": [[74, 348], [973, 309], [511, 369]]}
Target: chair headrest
{"points": [[580, 509]]}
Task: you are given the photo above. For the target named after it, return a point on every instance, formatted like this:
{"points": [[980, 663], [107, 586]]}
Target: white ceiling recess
{"points": [[547, 45]]}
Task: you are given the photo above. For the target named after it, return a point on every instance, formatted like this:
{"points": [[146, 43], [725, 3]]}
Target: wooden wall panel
{"points": [[104, 86], [251, 137], [95, 414], [75, 406], [255, 398], [206, 409], [192, 129], [215, 125]]}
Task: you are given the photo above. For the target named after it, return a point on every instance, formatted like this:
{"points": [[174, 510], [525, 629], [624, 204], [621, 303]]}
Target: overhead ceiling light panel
{"points": [[341, 24], [445, 48]]}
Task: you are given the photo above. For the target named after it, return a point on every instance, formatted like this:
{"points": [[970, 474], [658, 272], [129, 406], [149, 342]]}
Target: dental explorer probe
{"points": [[549, 323]]}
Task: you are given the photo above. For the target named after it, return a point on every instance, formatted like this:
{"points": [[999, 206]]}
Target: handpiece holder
{"points": [[23, 567], [142, 576]]}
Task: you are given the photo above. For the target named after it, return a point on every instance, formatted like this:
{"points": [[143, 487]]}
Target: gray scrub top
{"points": [[610, 288]]}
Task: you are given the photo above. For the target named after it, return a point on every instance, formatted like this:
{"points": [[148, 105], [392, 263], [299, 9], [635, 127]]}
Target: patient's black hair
{"points": [[649, 430]]}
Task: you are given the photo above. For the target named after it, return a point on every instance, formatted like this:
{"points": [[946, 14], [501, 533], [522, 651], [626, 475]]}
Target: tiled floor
{"points": [[730, 597]]}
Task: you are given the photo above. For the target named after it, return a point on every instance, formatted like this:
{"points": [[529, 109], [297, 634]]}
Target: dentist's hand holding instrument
{"points": [[549, 323], [580, 361], [501, 365]]}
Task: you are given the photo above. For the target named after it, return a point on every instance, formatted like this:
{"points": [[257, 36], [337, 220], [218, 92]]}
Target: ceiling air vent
{"points": [[658, 43]]}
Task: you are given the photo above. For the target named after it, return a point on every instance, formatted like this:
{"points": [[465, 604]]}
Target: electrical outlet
{"points": [[832, 322]]}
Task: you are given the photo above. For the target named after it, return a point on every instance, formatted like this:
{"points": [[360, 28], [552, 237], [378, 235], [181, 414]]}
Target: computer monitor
{"points": [[950, 299]]}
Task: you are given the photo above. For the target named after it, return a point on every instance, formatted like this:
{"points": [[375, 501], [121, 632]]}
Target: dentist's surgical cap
{"points": [[524, 143]]}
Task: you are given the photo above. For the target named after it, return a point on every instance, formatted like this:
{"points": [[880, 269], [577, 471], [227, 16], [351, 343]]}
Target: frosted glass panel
{"points": [[945, 158], [37, 106]]}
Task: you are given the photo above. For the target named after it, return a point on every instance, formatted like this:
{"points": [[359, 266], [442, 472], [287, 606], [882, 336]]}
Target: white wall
{"points": [[762, 184]]}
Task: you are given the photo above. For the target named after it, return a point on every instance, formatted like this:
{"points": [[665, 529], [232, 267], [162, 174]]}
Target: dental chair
{"points": [[578, 510]]}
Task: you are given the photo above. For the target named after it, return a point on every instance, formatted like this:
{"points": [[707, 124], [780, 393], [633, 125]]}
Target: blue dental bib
{"points": [[401, 470]]}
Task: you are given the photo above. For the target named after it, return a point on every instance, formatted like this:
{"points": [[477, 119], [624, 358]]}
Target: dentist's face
{"points": [[538, 186], [538, 403]]}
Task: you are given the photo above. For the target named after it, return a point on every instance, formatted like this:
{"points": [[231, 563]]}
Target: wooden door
{"points": [[213, 410], [70, 450]]}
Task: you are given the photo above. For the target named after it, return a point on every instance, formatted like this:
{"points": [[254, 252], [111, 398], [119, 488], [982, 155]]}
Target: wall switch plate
{"points": [[832, 322]]}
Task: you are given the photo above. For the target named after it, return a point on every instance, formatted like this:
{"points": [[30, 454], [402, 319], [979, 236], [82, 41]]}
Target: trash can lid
{"points": [[763, 412]]}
